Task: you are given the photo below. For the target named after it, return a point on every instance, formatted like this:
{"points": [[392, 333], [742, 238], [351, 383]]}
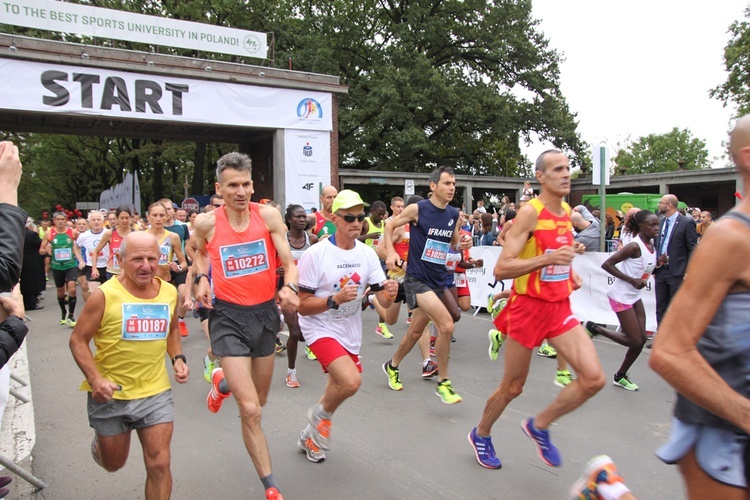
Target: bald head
{"points": [[326, 198], [140, 240], [578, 221], [739, 138]]}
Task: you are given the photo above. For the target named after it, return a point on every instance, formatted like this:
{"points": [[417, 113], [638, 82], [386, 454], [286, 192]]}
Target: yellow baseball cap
{"points": [[347, 199]]}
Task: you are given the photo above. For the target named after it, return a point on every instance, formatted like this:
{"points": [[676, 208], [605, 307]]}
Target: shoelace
{"points": [[310, 444]]}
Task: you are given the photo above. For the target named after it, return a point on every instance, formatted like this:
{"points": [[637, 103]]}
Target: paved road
{"points": [[400, 445]]}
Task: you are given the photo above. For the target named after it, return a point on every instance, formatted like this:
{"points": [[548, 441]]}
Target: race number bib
{"points": [[555, 272], [435, 251], [164, 250], [63, 254], [346, 310], [452, 260], [116, 258], [145, 321], [459, 279], [243, 259]]}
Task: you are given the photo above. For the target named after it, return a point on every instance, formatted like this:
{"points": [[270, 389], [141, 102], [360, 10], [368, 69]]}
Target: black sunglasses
{"points": [[217, 205], [351, 218]]}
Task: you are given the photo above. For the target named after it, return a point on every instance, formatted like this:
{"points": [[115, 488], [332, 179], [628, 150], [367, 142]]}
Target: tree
{"points": [[737, 62], [662, 152]]}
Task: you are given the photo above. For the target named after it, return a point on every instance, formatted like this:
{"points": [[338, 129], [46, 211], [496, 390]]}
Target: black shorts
{"points": [[102, 274], [178, 278], [413, 286], [63, 277], [243, 330]]}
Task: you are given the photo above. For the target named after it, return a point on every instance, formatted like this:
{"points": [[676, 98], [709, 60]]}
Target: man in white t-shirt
{"points": [[333, 277], [88, 241]]}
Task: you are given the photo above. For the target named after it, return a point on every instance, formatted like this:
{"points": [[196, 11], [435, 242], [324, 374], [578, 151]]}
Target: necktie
{"points": [[664, 234]]}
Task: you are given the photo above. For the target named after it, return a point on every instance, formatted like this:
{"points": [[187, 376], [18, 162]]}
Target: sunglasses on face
{"points": [[351, 218], [217, 205]]}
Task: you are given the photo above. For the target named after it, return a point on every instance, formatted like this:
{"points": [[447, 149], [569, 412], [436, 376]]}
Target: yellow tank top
{"points": [[132, 340], [375, 229]]}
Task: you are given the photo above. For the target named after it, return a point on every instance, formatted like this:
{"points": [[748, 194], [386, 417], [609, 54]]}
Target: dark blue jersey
{"points": [[429, 243]]}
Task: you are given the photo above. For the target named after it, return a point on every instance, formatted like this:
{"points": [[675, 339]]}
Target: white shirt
{"points": [[88, 242], [327, 268]]}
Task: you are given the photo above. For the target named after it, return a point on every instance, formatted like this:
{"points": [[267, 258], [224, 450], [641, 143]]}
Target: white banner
{"points": [[128, 192], [66, 17], [589, 303], [307, 157], [50, 88]]}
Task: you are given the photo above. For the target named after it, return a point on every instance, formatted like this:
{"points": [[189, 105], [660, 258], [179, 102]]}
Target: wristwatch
{"points": [[179, 356], [332, 303], [197, 279], [293, 287]]}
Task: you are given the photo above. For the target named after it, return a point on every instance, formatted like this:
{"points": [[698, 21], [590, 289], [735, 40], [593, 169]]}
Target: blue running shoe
{"points": [[544, 447], [484, 450]]}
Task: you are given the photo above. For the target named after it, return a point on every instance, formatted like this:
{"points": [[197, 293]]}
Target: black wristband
{"points": [[197, 279], [179, 356]]}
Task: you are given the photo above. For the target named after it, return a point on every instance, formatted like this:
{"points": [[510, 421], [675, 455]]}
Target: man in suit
{"points": [[674, 243]]}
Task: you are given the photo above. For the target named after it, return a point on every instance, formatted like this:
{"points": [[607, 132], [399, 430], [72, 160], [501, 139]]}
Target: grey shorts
{"points": [[118, 415], [413, 286], [720, 453], [243, 330]]}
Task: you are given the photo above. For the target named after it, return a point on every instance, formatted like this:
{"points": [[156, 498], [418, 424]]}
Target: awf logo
{"points": [[308, 186], [309, 109], [307, 150]]}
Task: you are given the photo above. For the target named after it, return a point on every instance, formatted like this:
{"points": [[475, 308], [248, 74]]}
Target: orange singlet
{"points": [[551, 283], [243, 265]]}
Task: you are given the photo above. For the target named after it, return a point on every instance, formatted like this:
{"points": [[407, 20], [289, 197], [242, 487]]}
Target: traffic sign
{"points": [[408, 187], [190, 204]]}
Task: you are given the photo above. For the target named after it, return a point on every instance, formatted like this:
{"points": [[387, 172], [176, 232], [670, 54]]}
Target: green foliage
{"points": [[737, 62], [661, 153], [456, 82]]}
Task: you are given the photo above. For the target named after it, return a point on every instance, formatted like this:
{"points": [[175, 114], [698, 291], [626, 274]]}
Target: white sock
{"points": [[424, 363], [612, 491], [291, 370]]}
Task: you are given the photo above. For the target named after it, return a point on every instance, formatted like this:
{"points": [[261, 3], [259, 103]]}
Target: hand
{"points": [[181, 371], [189, 303], [392, 261], [289, 300], [203, 293], [81, 265], [479, 263], [465, 242], [10, 172], [577, 281], [347, 294], [94, 273], [391, 289], [663, 260], [562, 256], [103, 389], [174, 267], [580, 248], [13, 305], [637, 283]]}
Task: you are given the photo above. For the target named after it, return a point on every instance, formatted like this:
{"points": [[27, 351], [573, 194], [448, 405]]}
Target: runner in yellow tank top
{"points": [[169, 243]]}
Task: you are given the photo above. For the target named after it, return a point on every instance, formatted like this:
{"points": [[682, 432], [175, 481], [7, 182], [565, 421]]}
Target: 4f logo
{"points": [[308, 186]]}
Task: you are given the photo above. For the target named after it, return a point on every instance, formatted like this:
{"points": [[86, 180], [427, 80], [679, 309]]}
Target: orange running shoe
{"points": [[215, 397], [273, 494], [183, 329]]}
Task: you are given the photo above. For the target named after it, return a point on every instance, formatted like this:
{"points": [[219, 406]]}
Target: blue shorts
{"points": [[719, 453]]}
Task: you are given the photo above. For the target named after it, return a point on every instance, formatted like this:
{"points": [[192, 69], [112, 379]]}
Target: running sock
{"points": [[424, 363], [181, 318], [224, 387], [71, 306], [269, 482], [291, 370], [61, 303], [618, 376], [612, 491], [319, 411], [390, 365]]}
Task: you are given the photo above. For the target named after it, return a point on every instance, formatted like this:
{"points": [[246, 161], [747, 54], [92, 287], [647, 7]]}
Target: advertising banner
{"points": [[77, 90], [589, 303], [307, 156], [53, 15], [128, 192]]}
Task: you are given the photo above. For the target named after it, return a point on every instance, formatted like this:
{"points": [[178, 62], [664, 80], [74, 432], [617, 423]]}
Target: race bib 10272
{"points": [[242, 259]]}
